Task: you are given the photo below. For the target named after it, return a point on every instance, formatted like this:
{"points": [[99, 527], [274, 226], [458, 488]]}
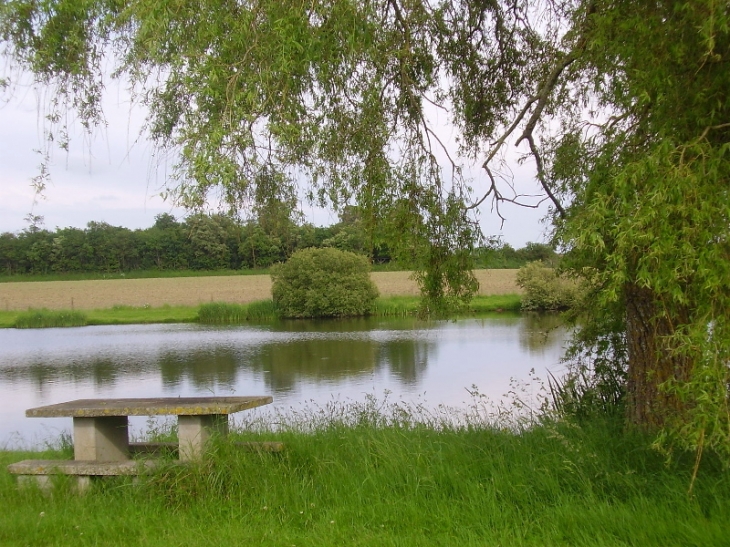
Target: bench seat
{"points": [[80, 467], [40, 472]]}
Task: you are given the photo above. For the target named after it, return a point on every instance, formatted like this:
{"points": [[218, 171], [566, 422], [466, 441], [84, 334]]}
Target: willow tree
{"points": [[621, 107]]}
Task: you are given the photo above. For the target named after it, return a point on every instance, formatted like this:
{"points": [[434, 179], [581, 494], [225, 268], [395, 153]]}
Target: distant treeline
{"points": [[500, 256], [201, 242]]}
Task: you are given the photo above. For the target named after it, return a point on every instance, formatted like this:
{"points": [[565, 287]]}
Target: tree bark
{"points": [[652, 360]]}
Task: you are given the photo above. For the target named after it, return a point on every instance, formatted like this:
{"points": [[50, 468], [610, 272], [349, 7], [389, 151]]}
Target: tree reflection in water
{"points": [[293, 360]]}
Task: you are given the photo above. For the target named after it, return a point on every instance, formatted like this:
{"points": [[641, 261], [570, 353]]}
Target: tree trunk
{"points": [[652, 361]]}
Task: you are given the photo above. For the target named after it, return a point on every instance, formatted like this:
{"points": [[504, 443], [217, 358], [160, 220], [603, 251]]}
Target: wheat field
{"points": [[192, 291]]}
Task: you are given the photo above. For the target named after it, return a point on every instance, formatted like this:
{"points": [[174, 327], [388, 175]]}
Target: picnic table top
{"points": [[187, 406]]}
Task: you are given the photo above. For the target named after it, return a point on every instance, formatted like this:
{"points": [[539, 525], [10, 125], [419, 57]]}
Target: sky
{"points": [[115, 178]]}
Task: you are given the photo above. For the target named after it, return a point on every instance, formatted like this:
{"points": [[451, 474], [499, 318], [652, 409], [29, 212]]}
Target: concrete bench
{"points": [[101, 436], [100, 426], [40, 472]]}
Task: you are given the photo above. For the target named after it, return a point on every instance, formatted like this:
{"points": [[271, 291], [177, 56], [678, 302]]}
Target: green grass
{"points": [[224, 313], [218, 313], [401, 306], [129, 315], [396, 306], [116, 315], [372, 474], [43, 318], [501, 302]]}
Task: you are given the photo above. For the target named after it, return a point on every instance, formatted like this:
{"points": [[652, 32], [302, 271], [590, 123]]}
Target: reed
{"points": [[495, 303], [43, 318], [396, 306], [402, 306], [225, 313]]}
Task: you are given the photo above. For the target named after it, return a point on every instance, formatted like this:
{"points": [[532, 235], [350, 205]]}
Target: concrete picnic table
{"points": [[101, 431]]}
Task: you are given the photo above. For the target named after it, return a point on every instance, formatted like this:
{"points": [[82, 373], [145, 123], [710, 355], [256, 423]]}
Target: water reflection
{"points": [[294, 360], [315, 351], [204, 369], [538, 332]]}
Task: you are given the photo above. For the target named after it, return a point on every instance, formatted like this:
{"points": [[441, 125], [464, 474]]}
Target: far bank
{"points": [[193, 291]]}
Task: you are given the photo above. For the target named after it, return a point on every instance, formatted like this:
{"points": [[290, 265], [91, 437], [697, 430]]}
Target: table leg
{"points": [[193, 433], [103, 439]]}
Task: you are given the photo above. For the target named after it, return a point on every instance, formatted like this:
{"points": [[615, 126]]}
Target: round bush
{"points": [[544, 289], [323, 283]]}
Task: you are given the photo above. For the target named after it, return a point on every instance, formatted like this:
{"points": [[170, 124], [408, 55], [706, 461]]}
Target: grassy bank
{"points": [[398, 306], [117, 315], [367, 475], [217, 313]]}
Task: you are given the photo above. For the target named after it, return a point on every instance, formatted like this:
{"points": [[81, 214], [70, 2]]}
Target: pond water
{"points": [[296, 362]]}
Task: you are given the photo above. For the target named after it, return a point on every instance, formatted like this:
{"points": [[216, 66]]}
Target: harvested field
{"points": [[191, 291]]}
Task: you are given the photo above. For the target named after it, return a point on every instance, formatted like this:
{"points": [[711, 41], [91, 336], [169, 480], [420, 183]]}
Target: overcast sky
{"points": [[115, 178]]}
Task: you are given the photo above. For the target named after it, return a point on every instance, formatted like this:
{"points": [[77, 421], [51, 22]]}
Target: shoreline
{"points": [[393, 306]]}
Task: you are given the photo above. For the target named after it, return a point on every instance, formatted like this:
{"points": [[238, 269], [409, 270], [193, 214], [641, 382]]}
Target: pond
{"points": [[297, 362]]}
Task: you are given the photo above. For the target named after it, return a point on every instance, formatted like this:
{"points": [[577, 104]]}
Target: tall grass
{"points": [[225, 313], [393, 474], [402, 306], [43, 318], [396, 306]]}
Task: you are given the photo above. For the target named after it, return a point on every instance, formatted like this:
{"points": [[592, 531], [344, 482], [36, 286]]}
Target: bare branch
{"points": [[539, 101]]}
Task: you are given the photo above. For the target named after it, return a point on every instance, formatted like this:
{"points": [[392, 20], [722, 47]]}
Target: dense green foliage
{"points": [[323, 283], [499, 255], [379, 473], [545, 289], [200, 243]]}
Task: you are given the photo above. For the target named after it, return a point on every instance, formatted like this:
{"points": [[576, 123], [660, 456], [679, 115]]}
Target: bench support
{"points": [[103, 439], [193, 433]]}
